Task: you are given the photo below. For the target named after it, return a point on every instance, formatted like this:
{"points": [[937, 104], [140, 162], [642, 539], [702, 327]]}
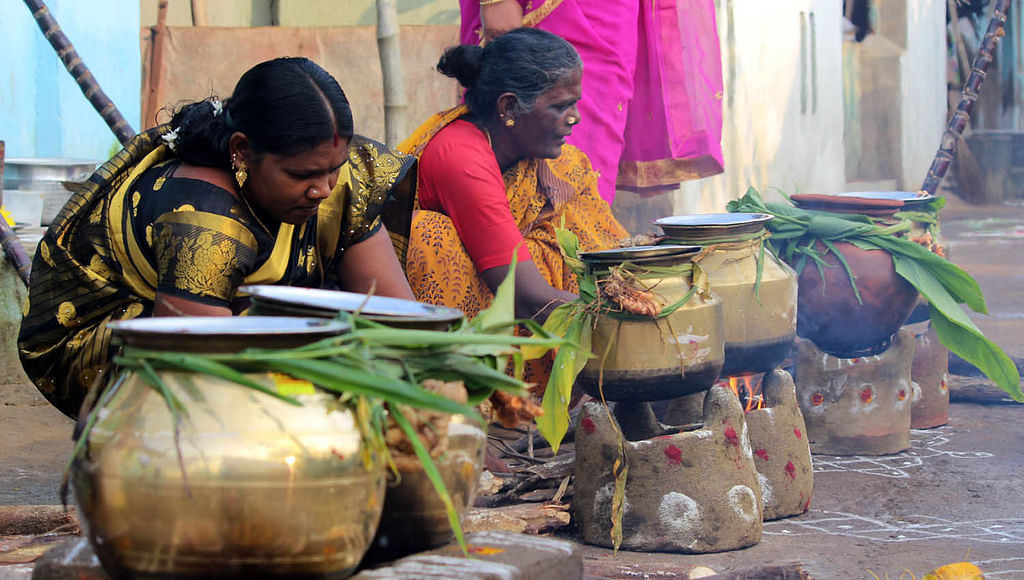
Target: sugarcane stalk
{"points": [[962, 116], [81, 73], [389, 47]]}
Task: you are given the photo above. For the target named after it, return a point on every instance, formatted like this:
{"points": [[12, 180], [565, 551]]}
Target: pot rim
{"points": [[225, 326], [334, 301], [712, 220], [645, 253]]}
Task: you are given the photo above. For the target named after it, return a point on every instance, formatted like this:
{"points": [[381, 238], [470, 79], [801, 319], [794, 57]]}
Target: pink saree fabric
{"points": [[651, 112]]}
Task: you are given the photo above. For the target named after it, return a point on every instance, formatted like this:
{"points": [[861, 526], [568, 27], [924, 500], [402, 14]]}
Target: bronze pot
{"points": [[243, 485], [656, 359], [829, 314]]}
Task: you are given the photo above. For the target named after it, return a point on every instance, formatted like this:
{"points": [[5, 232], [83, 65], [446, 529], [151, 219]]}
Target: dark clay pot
{"points": [[829, 314]]}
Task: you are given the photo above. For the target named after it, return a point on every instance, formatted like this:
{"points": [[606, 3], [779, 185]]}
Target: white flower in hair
{"points": [[171, 139], [217, 106]]}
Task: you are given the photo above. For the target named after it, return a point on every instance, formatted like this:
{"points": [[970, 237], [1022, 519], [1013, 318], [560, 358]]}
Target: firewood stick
{"points": [[972, 86], [81, 73]]}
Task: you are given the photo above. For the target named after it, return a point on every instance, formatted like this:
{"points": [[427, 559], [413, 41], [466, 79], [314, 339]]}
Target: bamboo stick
{"points": [[156, 62], [972, 86], [198, 12], [389, 47], [81, 73]]}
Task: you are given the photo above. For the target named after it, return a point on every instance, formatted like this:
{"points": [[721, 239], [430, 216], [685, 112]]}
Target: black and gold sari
{"points": [[133, 230]]}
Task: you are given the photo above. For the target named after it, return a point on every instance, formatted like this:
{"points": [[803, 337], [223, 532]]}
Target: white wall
{"points": [[923, 89], [783, 117]]}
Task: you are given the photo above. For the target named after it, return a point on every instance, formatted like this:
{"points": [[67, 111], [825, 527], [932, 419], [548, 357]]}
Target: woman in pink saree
{"points": [[652, 83]]}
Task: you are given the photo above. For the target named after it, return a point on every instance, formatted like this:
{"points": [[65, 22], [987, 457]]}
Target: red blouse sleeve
{"points": [[459, 177]]}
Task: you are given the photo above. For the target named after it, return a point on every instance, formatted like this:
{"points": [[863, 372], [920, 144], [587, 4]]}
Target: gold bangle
{"points": [[489, 2]]}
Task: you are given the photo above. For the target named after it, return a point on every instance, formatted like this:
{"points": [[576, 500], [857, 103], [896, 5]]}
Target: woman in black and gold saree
{"points": [[268, 187]]}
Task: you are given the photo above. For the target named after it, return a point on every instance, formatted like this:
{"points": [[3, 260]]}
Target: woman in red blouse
{"points": [[496, 178]]}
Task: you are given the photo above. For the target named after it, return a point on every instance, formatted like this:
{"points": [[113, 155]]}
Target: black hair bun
{"points": [[462, 63]]}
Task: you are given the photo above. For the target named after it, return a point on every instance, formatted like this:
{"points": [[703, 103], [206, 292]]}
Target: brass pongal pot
{"points": [[651, 359], [242, 484], [414, 517], [758, 291]]}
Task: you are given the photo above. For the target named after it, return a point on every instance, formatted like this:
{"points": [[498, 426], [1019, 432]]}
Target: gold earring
{"points": [[510, 122], [241, 174]]}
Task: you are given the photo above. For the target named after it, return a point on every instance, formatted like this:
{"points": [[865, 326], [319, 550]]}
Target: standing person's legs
{"points": [[605, 35]]}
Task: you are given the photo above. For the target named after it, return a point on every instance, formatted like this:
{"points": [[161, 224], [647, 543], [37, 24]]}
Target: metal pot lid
{"points": [[338, 301], [711, 225], [910, 199], [635, 253], [713, 219], [206, 326]]}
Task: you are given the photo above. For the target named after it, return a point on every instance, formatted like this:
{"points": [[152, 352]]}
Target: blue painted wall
{"points": [[43, 113]]}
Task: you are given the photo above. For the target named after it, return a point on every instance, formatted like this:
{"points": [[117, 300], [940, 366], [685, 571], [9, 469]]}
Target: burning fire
{"points": [[748, 389]]}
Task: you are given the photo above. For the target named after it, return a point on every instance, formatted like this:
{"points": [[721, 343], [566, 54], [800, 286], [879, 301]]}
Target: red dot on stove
{"points": [[588, 425], [867, 395]]}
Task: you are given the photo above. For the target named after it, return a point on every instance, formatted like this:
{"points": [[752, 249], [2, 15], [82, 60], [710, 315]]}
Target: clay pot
{"points": [[871, 206], [829, 314]]}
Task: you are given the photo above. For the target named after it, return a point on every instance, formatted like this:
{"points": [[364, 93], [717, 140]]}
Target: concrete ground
{"points": [[956, 495]]}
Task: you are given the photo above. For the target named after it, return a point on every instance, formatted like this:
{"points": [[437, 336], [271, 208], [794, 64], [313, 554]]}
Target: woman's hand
{"points": [[535, 298], [372, 264], [498, 18]]}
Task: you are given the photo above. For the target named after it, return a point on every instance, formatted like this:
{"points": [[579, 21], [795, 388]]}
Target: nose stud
{"points": [[572, 120]]}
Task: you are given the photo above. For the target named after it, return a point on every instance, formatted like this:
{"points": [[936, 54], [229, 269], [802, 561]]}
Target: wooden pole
{"points": [[81, 73], [972, 86], [156, 63], [198, 12], [389, 47]]}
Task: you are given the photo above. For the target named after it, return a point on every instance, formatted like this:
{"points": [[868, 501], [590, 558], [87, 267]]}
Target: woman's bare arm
{"points": [[535, 298], [500, 17], [373, 260]]}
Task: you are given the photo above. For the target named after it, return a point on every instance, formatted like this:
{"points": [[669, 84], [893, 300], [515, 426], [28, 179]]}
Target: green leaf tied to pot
{"points": [[865, 278]]}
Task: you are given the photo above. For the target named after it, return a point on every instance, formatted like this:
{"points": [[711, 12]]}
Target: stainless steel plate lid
{"points": [[638, 254], [706, 226], [910, 199], [713, 219], [340, 301], [208, 326]]}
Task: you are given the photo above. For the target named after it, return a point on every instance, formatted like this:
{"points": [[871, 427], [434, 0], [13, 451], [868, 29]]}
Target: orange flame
{"points": [[748, 389]]}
